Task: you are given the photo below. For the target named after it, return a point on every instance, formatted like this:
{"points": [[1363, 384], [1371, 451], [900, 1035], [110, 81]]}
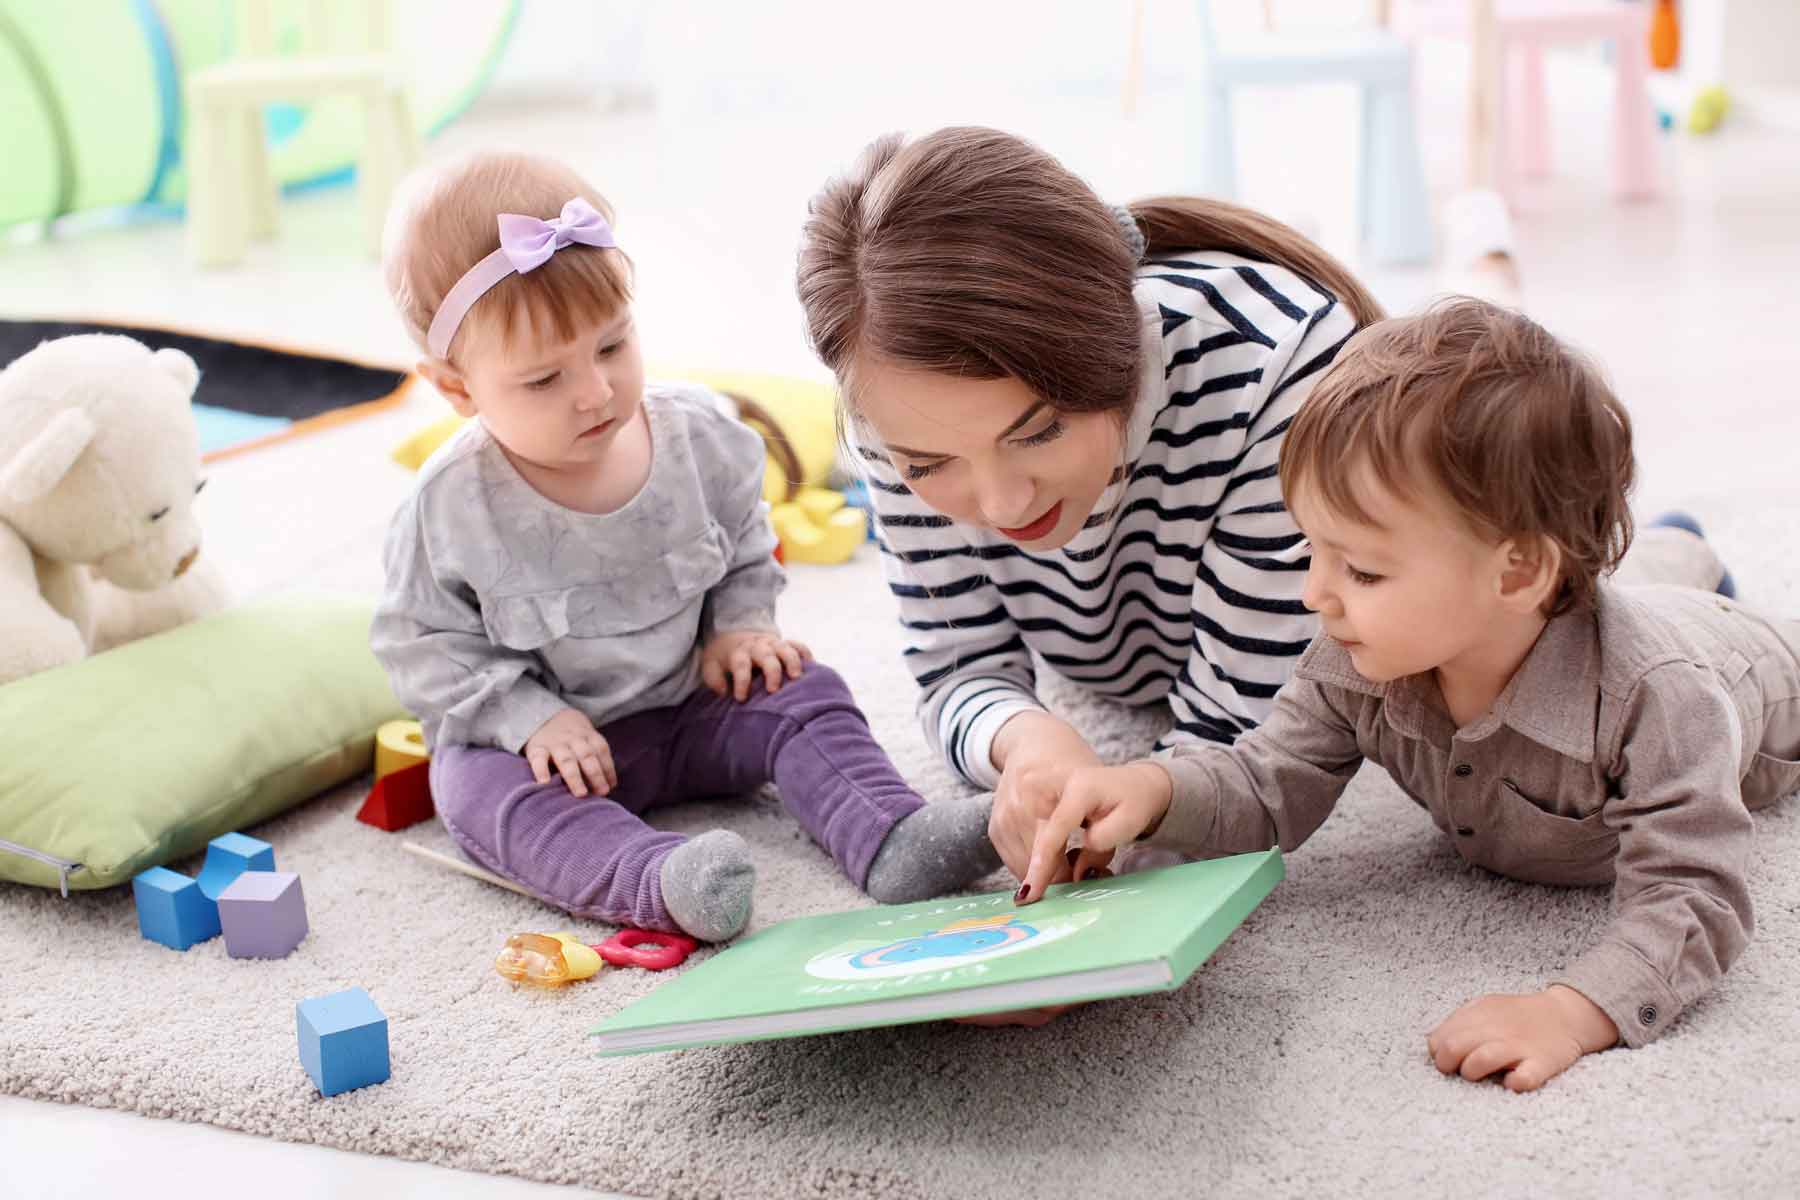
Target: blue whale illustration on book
{"points": [[959, 939]]}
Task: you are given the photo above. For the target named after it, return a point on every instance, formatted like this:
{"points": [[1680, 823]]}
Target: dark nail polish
{"points": [[1024, 891], [1072, 854]]}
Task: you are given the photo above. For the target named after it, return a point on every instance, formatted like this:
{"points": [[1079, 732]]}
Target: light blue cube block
{"points": [[172, 909], [343, 1040], [230, 855]]}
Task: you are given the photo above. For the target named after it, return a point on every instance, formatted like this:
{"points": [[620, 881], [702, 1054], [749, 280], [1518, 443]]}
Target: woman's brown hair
{"points": [[972, 252]]}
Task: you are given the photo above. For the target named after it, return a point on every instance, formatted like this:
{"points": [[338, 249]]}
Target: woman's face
{"points": [[990, 452]]}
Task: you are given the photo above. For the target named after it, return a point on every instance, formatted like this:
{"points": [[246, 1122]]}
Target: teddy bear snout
{"points": [[187, 560]]}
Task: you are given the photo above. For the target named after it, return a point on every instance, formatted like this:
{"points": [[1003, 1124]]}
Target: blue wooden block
{"points": [[172, 909], [343, 1040], [230, 855]]}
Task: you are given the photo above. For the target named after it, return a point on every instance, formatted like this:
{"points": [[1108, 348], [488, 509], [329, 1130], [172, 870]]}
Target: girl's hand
{"points": [[580, 755], [1531, 1039], [1035, 753], [739, 655], [1114, 805]]}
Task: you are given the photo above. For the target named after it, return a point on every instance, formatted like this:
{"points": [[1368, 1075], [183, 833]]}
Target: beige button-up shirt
{"points": [[1628, 749]]}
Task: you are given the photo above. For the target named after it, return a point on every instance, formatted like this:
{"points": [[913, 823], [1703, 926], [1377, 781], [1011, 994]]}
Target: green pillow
{"points": [[142, 755]]}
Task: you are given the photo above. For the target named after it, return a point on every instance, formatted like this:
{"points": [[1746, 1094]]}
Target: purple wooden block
{"points": [[263, 914]]}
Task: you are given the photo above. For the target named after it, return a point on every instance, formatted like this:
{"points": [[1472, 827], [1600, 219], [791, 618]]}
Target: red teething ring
{"points": [[651, 950]]}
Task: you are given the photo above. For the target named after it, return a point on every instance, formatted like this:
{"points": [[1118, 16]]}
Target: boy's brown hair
{"points": [[1482, 406]]}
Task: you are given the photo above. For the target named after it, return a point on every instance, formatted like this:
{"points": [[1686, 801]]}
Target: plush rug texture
{"points": [[1293, 1063]]}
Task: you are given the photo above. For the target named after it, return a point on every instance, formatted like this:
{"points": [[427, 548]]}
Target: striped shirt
{"points": [[1185, 582]]}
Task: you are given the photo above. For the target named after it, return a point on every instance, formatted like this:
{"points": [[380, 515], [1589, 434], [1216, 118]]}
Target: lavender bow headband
{"points": [[526, 243]]}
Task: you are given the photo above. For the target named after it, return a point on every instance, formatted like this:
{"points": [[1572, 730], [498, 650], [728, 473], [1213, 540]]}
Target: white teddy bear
{"points": [[99, 466]]}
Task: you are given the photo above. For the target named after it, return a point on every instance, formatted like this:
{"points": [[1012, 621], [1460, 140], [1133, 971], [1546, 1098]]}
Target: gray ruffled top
{"points": [[502, 607]]}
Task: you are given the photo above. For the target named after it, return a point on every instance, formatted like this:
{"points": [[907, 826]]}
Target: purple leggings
{"points": [[595, 857]]}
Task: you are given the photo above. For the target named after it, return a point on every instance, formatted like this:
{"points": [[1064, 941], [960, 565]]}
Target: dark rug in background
{"points": [[250, 393]]}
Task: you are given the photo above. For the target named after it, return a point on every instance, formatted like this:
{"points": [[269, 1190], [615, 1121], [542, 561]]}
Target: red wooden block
{"points": [[400, 799]]}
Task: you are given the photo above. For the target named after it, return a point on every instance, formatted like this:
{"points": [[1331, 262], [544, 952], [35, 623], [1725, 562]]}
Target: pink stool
{"points": [[1524, 28]]}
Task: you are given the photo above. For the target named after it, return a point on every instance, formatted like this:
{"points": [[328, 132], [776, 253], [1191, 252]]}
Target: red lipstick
{"points": [[1038, 528]]}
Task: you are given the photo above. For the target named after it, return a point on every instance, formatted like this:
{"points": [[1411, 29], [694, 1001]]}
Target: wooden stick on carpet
{"points": [[470, 869]]}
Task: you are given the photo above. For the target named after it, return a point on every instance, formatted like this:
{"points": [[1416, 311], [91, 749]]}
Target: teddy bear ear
{"points": [[37, 467], [179, 367]]}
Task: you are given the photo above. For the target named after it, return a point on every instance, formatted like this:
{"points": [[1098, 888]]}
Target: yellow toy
{"points": [[818, 527], [547, 960], [795, 417], [1709, 108], [398, 745], [413, 452]]}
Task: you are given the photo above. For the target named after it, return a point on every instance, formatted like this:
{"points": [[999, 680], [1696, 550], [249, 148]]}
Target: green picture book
{"points": [[956, 957]]}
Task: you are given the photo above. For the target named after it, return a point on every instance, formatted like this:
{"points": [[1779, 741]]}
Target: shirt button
{"points": [[1464, 770], [1465, 831], [1647, 1015]]}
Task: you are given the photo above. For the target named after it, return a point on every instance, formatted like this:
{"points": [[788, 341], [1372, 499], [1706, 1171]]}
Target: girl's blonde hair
{"points": [[972, 252], [445, 222]]}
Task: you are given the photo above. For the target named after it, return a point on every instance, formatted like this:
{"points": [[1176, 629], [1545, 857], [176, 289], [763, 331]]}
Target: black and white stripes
{"points": [[1186, 581]]}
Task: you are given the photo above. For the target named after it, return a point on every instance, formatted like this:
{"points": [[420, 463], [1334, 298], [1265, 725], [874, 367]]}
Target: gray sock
{"points": [[938, 849], [706, 885]]}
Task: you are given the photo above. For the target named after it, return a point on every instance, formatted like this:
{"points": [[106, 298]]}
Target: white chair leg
{"points": [[1214, 149], [1367, 162], [378, 169], [218, 231], [412, 149], [1397, 217], [260, 191]]}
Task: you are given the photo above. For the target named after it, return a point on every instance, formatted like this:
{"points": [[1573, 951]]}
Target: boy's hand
{"points": [[739, 655], [579, 754], [1114, 805], [1531, 1038]]}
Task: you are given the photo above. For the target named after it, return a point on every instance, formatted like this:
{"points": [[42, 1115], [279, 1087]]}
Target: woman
{"points": [[1070, 416]]}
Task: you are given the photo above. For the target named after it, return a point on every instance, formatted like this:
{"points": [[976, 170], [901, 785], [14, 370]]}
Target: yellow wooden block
{"points": [[818, 542], [398, 745], [819, 503]]}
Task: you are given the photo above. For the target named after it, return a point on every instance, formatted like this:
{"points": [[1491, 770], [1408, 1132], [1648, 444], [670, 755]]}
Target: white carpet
{"points": [[1293, 1063]]}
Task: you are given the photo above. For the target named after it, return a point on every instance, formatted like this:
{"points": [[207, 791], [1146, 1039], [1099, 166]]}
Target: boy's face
{"points": [[1416, 591], [557, 405]]}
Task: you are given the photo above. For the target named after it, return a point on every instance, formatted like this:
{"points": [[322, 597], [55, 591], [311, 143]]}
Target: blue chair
{"points": [[1394, 213]]}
